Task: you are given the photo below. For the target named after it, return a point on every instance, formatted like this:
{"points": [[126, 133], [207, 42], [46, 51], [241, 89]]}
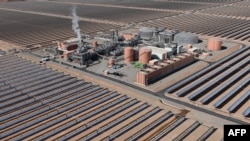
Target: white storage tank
{"points": [[146, 33], [184, 38]]}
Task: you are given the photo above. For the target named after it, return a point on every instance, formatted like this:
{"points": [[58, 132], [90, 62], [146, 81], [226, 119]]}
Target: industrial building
{"points": [[126, 46], [140, 46], [123, 69], [156, 51], [159, 69]]}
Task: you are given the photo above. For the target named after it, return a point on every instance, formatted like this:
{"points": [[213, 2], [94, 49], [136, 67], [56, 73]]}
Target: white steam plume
{"points": [[75, 25]]}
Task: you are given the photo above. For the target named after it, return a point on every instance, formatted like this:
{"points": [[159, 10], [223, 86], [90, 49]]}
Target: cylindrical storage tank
{"points": [[144, 55], [214, 44], [186, 38], [128, 54], [111, 62], [146, 33]]}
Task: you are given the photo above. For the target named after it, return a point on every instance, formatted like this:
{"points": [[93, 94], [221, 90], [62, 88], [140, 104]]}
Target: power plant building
{"points": [[154, 72], [158, 53]]}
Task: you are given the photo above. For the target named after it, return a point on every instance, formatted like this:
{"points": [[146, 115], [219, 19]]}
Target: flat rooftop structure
{"points": [[38, 103]]}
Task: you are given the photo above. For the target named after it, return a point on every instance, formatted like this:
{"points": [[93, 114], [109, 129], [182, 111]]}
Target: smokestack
{"points": [[75, 26]]}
